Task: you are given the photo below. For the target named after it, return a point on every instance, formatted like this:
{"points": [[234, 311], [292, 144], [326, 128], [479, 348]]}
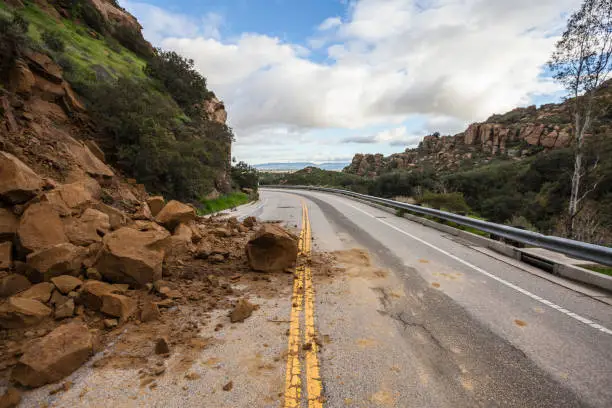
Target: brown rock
{"points": [[6, 255], [20, 312], [143, 212], [21, 78], [111, 323], [86, 160], [249, 222], [60, 259], [161, 346], [175, 213], [156, 204], [54, 198], [66, 283], [13, 284], [11, 398], [116, 217], [18, 182], [92, 294], [222, 232], [57, 298], [40, 292], [272, 249], [64, 310], [118, 306], [74, 104], [81, 193], [150, 312], [203, 251], [132, 256], [243, 310], [88, 228], [92, 273], [40, 227], [95, 149], [8, 225], [53, 357], [44, 65], [216, 258]]}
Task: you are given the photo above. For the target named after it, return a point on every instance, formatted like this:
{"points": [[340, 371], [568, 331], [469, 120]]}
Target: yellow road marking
{"points": [[293, 385], [303, 294], [313, 376]]}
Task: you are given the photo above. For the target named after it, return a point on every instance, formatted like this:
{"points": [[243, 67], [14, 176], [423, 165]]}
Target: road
{"points": [[438, 322]]}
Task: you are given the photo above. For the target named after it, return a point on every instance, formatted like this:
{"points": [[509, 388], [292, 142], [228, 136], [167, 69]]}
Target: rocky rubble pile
{"points": [[73, 267]]}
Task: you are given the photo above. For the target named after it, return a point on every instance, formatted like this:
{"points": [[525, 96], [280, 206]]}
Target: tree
{"points": [[582, 62]]}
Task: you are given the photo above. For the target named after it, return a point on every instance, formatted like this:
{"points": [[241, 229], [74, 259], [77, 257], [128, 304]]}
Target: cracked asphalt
{"points": [[427, 330]]}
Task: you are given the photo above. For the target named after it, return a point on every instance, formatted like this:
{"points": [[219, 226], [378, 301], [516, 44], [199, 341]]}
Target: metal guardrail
{"points": [[577, 249]]}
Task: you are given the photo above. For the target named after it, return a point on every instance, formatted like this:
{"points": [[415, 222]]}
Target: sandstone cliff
{"points": [[513, 135]]}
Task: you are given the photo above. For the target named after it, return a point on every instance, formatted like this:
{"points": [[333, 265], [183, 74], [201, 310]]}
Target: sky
{"points": [[321, 80]]}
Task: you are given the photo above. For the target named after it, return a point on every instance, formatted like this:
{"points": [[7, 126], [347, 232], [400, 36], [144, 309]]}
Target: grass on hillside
{"points": [[86, 50], [606, 270], [223, 203]]}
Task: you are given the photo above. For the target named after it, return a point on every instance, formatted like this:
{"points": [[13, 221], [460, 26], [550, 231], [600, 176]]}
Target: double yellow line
{"points": [[303, 299]]}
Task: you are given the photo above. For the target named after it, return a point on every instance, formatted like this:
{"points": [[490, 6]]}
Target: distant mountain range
{"points": [[295, 166]]}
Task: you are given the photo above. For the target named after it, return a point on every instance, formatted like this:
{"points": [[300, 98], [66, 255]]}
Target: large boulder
{"points": [[53, 357], [88, 228], [132, 256], [18, 182], [6, 255], [17, 313], [175, 213], [13, 284], [156, 204], [117, 305], [60, 259], [8, 225], [272, 249], [40, 227]]}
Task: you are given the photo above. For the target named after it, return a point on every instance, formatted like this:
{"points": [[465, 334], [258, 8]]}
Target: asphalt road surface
{"points": [[443, 323]]}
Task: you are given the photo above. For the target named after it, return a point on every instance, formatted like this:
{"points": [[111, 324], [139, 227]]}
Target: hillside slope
{"points": [[81, 86]]}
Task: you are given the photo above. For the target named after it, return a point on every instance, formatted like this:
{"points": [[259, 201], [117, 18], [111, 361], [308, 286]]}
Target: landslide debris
{"points": [[64, 292]]}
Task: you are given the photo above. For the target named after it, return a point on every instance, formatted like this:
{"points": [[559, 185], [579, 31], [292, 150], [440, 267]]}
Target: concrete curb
{"points": [[564, 270]]}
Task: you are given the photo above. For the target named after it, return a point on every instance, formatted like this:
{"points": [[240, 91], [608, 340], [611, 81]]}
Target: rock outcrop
{"points": [[515, 134], [18, 183]]}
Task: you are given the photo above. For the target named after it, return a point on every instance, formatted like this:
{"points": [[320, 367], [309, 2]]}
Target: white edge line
{"points": [[537, 298]]}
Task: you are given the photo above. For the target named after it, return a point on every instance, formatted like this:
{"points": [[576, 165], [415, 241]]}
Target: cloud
{"points": [[398, 136], [452, 62], [330, 23]]}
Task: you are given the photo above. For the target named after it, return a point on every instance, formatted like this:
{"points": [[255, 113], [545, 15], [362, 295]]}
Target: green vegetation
{"points": [[453, 202], [606, 270], [146, 104], [245, 176], [88, 56], [312, 176], [13, 39], [223, 203]]}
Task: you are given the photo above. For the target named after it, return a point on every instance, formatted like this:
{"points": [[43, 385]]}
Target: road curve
{"points": [[449, 324]]}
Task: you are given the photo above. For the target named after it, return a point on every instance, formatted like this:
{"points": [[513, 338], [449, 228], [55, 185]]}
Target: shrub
{"points": [[14, 40], [179, 77], [141, 133], [53, 41], [245, 176], [453, 202]]}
